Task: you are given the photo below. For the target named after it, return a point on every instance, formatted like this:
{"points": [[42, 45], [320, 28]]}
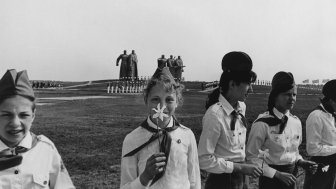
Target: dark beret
{"points": [[236, 61], [329, 89]]}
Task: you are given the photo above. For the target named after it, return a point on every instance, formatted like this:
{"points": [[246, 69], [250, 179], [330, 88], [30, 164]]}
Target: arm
{"points": [[256, 140], [118, 59], [212, 128], [193, 164], [59, 176], [129, 176], [314, 126]]}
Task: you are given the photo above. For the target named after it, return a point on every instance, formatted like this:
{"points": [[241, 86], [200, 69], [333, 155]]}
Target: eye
{"points": [[155, 100], [170, 100], [24, 115]]}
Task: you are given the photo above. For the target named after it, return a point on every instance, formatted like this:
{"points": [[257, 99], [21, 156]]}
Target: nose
{"points": [[15, 121]]}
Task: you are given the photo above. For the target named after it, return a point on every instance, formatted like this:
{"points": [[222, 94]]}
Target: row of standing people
{"points": [[162, 153]]}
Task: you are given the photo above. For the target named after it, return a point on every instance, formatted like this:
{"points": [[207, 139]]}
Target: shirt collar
{"points": [[153, 125], [25, 142], [279, 114], [227, 106]]}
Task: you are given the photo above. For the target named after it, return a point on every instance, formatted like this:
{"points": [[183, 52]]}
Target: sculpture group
{"points": [[128, 66], [175, 65]]}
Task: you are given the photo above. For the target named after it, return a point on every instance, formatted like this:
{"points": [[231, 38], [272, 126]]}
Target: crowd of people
{"points": [[162, 153], [126, 86], [45, 84]]}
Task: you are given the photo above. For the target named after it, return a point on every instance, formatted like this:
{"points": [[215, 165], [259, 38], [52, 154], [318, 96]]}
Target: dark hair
{"points": [[169, 85], [32, 99], [236, 76], [326, 104]]}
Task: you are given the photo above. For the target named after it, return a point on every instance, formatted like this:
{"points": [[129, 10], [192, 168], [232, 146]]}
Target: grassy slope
{"points": [[89, 133]]}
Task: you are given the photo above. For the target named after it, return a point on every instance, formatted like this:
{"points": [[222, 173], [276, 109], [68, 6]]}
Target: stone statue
{"points": [[132, 70], [171, 64], [162, 62], [123, 65], [178, 68]]}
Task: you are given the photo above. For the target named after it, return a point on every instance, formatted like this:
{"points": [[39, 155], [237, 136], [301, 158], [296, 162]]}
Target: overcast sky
{"points": [[79, 40]]}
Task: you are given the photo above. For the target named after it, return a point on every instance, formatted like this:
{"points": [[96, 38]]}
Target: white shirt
{"points": [[283, 148], [182, 170], [321, 133], [41, 166], [219, 147]]}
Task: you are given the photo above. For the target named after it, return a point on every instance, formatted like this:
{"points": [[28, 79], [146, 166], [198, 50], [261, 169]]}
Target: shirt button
{"points": [[16, 172]]}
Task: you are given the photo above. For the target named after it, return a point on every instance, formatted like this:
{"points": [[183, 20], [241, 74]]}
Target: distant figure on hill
{"points": [[123, 65], [162, 62], [132, 71]]}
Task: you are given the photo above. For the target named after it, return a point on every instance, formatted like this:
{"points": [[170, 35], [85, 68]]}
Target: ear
{"points": [[231, 84], [33, 115]]}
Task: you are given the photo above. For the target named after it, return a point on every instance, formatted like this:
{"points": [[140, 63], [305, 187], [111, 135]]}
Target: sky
{"points": [[80, 40]]}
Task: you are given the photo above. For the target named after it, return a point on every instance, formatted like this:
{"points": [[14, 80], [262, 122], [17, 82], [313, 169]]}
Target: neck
{"points": [[233, 101], [283, 111]]}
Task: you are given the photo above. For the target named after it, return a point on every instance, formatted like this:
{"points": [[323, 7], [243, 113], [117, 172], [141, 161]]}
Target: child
{"points": [[26, 160], [280, 133], [321, 140], [161, 153], [222, 144]]}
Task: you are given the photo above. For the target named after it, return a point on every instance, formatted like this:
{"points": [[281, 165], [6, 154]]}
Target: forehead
{"points": [[162, 90], [292, 90], [16, 102]]}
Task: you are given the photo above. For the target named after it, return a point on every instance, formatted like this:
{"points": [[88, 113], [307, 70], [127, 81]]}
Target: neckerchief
{"points": [[235, 115], [11, 157], [274, 121], [165, 143]]}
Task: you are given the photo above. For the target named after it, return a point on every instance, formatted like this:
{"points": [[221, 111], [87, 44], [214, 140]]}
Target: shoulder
{"points": [[215, 109], [45, 140], [134, 139], [135, 134], [294, 117], [264, 118]]}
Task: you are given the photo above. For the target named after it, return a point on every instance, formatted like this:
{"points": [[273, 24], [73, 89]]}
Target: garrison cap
{"points": [[16, 83], [163, 72], [283, 81], [329, 89]]}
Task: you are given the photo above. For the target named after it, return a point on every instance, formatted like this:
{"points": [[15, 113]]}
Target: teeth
{"points": [[14, 131]]}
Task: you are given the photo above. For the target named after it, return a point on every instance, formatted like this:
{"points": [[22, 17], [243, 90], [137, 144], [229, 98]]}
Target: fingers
{"points": [[290, 179]]}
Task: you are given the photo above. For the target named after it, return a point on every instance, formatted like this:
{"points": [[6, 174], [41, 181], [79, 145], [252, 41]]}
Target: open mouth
{"points": [[15, 132]]}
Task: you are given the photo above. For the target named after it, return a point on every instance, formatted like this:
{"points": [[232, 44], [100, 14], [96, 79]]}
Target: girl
{"points": [[222, 144], [161, 153], [280, 133], [321, 140], [26, 160]]}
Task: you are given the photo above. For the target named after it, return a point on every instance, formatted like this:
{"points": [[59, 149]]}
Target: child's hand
{"points": [[155, 164], [308, 166], [286, 178]]}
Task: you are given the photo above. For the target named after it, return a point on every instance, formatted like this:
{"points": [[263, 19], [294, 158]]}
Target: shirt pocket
{"points": [[40, 181]]}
